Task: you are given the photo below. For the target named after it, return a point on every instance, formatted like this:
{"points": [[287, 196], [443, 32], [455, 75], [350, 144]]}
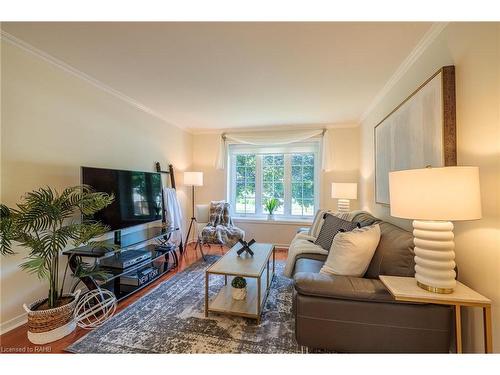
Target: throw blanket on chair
{"points": [[220, 229]]}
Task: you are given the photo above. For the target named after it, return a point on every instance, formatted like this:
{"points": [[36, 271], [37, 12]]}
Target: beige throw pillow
{"points": [[351, 252]]}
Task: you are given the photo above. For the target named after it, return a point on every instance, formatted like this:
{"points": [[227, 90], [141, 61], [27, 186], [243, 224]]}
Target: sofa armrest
{"points": [[341, 287]]}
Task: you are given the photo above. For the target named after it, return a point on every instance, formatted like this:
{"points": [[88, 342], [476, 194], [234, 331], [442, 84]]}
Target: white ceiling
{"points": [[204, 76]]}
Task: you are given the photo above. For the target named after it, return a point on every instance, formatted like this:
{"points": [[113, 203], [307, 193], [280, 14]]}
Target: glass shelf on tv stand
{"points": [[128, 241], [156, 256], [113, 278]]}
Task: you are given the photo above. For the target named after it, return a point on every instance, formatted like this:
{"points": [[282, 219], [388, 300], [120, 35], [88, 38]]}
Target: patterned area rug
{"points": [[170, 319]]}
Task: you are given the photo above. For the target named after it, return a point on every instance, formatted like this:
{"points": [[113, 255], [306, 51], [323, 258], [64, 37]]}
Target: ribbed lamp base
{"points": [[434, 256], [343, 205]]}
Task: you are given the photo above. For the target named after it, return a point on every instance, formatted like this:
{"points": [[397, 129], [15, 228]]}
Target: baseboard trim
{"points": [[282, 245], [15, 322]]}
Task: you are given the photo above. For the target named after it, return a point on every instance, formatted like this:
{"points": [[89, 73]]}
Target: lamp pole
{"points": [[193, 179], [193, 218]]}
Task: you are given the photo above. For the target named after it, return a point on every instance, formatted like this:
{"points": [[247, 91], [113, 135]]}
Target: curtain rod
{"points": [[223, 135]]}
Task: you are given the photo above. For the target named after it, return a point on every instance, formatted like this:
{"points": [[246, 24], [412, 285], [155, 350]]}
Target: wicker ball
{"points": [[94, 308]]}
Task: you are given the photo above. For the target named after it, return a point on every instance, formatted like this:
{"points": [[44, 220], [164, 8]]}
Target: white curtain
{"points": [[266, 138]]}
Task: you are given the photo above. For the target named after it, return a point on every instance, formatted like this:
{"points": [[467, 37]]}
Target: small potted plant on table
{"points": [[43, 223], [271, 205], [239, 288]]}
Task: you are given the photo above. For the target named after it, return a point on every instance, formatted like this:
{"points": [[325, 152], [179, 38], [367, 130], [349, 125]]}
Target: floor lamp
{"points": [[192, 179]]}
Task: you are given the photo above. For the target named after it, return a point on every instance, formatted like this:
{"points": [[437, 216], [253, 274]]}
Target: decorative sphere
{"points": [[94, 308]]}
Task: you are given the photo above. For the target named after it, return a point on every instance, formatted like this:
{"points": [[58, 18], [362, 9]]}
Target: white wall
{"points": [[53, 122], [345, 145], [474, 49]]}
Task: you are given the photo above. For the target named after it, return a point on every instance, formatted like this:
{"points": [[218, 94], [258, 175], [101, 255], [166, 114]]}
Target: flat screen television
{"points": [[138, 198]]}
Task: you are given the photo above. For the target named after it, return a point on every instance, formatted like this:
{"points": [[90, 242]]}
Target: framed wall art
{"points": [[419, 132]]}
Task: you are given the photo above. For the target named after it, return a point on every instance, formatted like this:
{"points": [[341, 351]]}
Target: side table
{"points": [[406, 289]]}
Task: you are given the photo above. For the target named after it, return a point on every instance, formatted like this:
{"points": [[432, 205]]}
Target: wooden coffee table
{"points": [[255, 269]]}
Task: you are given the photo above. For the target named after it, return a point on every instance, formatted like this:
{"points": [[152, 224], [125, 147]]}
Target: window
{"points": [[245, 183], [303, 184], [273, 180], [289, 174]]}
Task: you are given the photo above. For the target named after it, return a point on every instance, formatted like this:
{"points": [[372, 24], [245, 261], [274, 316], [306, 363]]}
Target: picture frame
{"points": [[419, 132]]}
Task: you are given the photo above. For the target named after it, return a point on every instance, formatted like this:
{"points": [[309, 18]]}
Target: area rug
{"points": [[171, 319]]}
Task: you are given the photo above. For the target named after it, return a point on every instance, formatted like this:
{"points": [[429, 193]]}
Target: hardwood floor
{"points": [[16, 341]]}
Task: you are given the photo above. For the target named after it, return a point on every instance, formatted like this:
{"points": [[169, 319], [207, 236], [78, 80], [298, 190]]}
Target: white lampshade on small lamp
{"points": [[344, 192], [434, 197], [192, 179]]}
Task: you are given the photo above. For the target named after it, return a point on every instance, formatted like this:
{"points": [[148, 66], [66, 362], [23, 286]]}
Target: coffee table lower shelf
{"points": [[225, 304]]}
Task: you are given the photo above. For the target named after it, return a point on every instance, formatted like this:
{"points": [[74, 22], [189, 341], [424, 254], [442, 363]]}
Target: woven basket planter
{"points": [[49, 325]]}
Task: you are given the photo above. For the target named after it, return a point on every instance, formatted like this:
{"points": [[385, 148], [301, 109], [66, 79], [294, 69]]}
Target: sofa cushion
{"points": [[394, 254], [320, 257], [340, 287], [308, 265], [364, 218]]}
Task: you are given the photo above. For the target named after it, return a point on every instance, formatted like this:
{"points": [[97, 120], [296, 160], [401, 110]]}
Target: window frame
{"points": [[234, 149]]}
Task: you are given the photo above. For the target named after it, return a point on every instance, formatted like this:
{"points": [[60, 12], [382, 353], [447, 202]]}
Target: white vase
{"points": [[270, 216], [239, 293]]}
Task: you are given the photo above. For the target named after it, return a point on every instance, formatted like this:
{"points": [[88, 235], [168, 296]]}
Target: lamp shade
{"points": [[193, 178], [448, 193], [344, 190]]}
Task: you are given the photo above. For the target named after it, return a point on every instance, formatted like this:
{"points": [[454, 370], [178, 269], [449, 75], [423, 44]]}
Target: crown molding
{"points": [[195, 131], [83, 76], [419, 49]]}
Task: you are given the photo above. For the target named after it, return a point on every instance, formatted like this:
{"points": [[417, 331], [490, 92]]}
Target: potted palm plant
{"points": [[271, 205], [44, 222]]}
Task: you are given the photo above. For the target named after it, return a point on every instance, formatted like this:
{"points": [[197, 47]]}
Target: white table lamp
{"points": [[433, 197], [344, 191]]}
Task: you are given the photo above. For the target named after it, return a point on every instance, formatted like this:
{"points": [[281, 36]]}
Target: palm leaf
{"points": [[7, 230], [36, 265], [37, 211], [84, 269]]}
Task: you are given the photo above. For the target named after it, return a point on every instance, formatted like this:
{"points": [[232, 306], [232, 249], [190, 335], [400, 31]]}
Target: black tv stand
{"points": [[132, 278]]}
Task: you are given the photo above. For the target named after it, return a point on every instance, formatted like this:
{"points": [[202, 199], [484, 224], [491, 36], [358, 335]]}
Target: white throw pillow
{"points": [[351, 252]]}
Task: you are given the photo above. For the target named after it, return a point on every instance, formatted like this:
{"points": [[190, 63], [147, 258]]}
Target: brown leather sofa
{"points": [[357, 314]]}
